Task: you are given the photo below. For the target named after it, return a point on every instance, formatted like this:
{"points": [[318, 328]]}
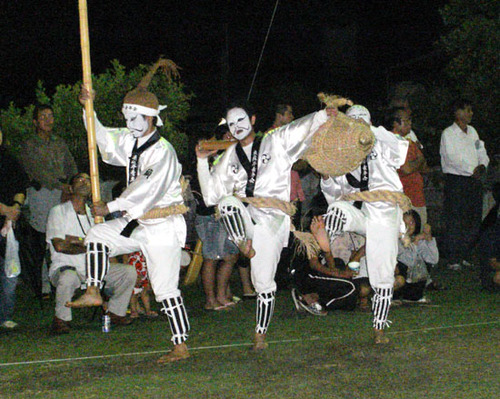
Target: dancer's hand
{"points": [[99, 209], [85, 95], [331, 111], [204, 153]]}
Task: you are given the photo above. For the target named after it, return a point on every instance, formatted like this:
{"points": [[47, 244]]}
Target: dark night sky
{"points": [[336, 46]]}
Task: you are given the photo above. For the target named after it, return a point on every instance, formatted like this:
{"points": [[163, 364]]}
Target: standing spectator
{"points": [[283, 116], [219, 253], [13, 183], [410, 172], [489, 248], [49, 165], [399, 102], [67, 226], [464, 161]]}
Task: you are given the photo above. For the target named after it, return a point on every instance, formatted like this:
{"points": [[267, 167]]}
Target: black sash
{"points": [[362, 184], [133, 167], [250, 167], [133, 164]]}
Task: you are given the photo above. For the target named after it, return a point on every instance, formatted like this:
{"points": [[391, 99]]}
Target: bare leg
{"points": [[91, 297], [208, 280], [134, 306], [245, 280], [223, 275], [146, 301]]}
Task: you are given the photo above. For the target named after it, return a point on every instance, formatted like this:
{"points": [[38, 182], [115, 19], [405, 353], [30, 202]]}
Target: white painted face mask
{"points": [[136, 123], [239, 123]]}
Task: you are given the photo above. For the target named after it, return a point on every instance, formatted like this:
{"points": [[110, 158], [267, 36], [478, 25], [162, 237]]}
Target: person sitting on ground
{"points": [[326, 283], [412, 259], [142, 289], [67, 227]]}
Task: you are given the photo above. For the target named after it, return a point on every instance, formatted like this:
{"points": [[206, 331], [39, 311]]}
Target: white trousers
{"points": [[381, 240], [158, 242], [268, 247], [268, 236], [120, 281]]}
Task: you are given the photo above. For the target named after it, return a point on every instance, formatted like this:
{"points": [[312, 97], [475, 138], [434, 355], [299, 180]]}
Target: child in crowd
{"points": [[142, 288]]}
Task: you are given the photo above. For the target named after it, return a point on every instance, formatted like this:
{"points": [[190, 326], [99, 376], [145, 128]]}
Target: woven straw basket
{"points": [[339, 146]]}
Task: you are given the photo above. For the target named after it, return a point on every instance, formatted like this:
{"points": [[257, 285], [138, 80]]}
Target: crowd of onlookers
{"points": [[43, 204]]}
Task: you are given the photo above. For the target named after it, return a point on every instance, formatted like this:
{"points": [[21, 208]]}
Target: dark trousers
{"points": [[461, 217], [334, 292]]}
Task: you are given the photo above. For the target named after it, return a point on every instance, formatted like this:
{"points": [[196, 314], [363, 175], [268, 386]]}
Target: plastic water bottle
{"points": [[106, 323]]}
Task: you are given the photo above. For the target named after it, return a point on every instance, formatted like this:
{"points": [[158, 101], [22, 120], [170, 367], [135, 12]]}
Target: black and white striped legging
{"points": [[380, 307], [265, 310], [177, 317], [97, 257]]}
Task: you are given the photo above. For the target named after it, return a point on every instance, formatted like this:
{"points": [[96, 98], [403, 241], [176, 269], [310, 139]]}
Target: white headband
{"points": [[359, 112], [140, 109]]}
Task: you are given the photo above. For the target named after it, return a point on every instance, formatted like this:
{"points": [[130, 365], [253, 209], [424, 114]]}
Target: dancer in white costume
{"points": [[257, 167], [381, 222], [153, 174]]}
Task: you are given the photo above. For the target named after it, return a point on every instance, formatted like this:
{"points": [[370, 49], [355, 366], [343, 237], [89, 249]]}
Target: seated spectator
{"points": [[67, 227], [412, 269], [142, 289], [13, 183], [326, 283]]}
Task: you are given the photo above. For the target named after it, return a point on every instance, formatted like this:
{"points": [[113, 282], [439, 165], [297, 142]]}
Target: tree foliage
{"points": [[110, 86], [472, 42]]}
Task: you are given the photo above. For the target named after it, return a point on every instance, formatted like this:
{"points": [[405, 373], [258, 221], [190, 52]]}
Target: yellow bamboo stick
{"points": [[89, 104]]}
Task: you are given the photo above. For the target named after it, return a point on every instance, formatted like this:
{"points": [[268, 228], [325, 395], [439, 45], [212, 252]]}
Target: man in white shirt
{"points": [[463, 161], [67, 226]]}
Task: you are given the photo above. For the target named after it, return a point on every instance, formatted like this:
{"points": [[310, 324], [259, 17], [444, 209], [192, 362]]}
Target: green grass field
{"points": [[449, 349]]}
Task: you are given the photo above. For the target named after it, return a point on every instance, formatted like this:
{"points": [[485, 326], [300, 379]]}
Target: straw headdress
{"points": [[140, 95]]}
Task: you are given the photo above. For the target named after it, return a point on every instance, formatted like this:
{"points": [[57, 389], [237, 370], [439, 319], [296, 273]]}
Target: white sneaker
{"points": [[455, 266], [466, 264], [9, 324], [315, 308]]}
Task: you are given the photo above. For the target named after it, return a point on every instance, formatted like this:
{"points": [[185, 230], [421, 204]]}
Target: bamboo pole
{"points": [[89, 104]]}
